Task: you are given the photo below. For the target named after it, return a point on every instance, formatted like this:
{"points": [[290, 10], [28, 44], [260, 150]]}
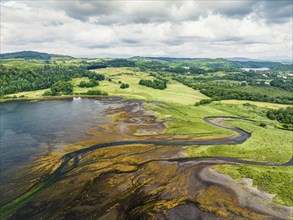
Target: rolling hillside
{"points": [[27, 55]]}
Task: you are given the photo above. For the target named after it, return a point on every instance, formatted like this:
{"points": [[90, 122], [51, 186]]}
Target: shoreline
{"points": [[48, 98], [131, 116], [248, 195]]}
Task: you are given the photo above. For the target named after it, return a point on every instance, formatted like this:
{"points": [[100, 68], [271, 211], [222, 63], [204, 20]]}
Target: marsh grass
{"points": [[274, 180]]}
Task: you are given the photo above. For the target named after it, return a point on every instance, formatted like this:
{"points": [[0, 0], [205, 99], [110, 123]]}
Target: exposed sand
{"points": [[248, 196]]}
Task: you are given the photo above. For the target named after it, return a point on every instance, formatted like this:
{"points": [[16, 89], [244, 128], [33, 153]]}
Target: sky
{"points": [[89, 28]]}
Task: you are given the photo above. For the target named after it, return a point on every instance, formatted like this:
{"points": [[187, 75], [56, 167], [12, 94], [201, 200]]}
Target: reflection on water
{"points": [[28, 129]]}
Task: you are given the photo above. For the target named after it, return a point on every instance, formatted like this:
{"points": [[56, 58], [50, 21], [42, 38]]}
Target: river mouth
{"points": [[116, 174]]}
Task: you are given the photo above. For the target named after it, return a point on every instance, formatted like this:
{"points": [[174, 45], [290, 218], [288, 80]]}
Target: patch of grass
{"points": [[28, 94], [265, 144], [21, 63], [248, 111], [76, 89], [274, 180], [175, 92], [269, 90], [259, 104], [188, 120]]}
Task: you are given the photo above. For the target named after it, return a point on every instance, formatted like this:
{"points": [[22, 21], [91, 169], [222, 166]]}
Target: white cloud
{"points": [[152, 28]]}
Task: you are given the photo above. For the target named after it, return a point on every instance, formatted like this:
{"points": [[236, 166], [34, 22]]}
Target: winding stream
{"points": [[66, 165]]}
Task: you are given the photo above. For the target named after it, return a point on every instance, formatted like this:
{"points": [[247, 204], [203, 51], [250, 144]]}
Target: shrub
{"points": [[262, 124], [156, 84], [90, 84], [96, 92], [124, 86], [203, 102], [61, 87], [47, 93]]}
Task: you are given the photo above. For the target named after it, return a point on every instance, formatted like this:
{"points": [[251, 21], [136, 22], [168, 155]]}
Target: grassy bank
{"points": [[274, 180], [258, 104], [264, 145], [267, 144], [188, 120]]}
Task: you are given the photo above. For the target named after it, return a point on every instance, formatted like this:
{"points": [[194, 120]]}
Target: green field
{"points": [[259, 104], [23, 63], [265, 145], [29, 94], [188, 120], [274, 180], [175, 92]]}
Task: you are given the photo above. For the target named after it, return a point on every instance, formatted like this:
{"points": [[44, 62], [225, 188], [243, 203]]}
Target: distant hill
{"points": [[166, 58], [242, 59], [28, 55]]}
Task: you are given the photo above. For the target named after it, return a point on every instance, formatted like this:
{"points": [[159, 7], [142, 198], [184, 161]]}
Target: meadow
{"points": [[259, 104], [175, 92]]}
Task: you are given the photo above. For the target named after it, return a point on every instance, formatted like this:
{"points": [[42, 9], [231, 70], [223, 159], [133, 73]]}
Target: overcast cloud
{"points": [[149, 28]]}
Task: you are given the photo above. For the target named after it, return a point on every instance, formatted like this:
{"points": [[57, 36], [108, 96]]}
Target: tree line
{"points": [[90, 84], [283, 115], [14, 79], [110, 63], [225, 92], [60, 88], [156, 84]]}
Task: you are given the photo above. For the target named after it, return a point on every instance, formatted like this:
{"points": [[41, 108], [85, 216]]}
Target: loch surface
{"points": [[29, 129]]}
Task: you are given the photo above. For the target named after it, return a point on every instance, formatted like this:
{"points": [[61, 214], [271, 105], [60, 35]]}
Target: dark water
{"points": [[29, 129]]}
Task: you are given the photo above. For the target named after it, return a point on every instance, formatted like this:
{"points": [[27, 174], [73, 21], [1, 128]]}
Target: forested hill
{"points": [[32, 55]]}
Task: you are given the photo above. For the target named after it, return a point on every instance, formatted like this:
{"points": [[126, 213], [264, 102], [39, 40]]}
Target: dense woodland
{"points": [[236, 90], [285, 116], [110, 63], [156, 84], [60, 88], [124, 86], [14, 79], [90, 84], [33, 55], [95, 92], [26, 55]]}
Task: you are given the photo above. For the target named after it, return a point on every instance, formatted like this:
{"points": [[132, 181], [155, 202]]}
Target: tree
{"points": [[62, 87], [96, 92], [203, 102], [156, 84], [90, 84], [124, 86]]}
